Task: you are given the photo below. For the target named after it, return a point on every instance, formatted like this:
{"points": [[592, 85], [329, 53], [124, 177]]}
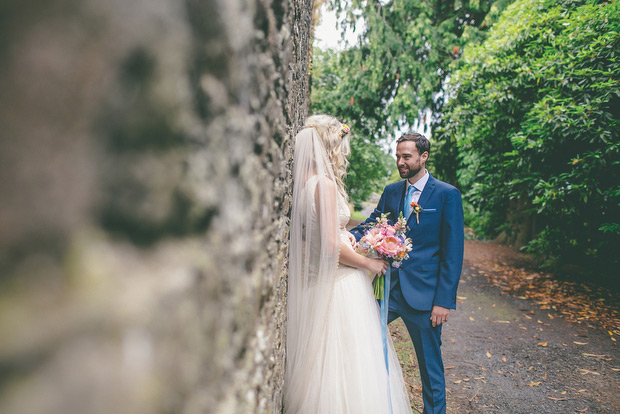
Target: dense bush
{"points": [[534, 110]]}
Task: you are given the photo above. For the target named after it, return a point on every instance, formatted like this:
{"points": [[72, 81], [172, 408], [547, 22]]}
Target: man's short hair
{"points": [[421, 142]]}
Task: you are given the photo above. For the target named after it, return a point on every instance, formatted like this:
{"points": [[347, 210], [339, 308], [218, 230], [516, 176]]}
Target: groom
{"points": [[423, 290]]}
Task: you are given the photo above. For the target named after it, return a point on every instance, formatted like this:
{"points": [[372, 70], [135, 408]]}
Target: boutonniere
{"points": [[416, 209]]}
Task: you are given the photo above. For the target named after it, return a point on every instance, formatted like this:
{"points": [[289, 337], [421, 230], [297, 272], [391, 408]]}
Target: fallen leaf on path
{"points": [[461, 297], [597, 356], [534, 384], [587, 371], [583, 410], [577, 303], [504, 358], [471, 319], [479, 378], [500, 321], [543, 343], [489, 354], [615, 369], [580, 343], [449, 367], [557, 398]]}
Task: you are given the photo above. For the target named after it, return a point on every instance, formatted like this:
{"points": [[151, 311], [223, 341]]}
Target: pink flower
{"points": [[374, 237], [388, 231], [389, 247]]}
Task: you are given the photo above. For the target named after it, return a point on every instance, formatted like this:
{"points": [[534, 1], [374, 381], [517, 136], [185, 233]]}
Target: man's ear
{"points": [[424, 156]]}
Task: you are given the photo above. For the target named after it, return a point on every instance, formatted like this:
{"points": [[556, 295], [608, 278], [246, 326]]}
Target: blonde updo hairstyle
{"points": [[336, 143]]}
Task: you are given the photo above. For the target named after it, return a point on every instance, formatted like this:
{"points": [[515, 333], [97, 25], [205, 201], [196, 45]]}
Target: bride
{"points": [[335, 362]]}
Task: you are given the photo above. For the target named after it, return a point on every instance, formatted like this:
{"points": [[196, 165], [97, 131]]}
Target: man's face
{"points": [[408, 160]]}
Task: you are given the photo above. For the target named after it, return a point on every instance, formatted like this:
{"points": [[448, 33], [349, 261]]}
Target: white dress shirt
{"points": [[419, 185]]}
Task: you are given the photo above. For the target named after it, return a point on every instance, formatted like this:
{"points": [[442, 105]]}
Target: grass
{"points": [[408, 363], [356, 215]]}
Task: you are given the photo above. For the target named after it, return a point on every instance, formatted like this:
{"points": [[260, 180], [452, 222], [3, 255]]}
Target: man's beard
{"points": [[408, 173]]}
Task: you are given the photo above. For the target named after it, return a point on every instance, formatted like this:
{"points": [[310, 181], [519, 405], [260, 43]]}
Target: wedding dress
{"points": [[335, 360]]}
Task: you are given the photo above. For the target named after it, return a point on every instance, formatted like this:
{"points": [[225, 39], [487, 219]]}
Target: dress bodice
{"points": [[342, 210], [344, 213]]}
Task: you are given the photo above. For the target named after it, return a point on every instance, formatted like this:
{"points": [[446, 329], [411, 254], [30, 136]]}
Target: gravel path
{"points": [[507, 353]]}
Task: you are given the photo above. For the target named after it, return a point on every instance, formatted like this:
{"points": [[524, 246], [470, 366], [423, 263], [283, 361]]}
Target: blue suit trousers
{"points": [[427, 345]]}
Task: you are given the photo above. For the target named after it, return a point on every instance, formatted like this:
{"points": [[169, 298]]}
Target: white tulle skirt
{"points": [[349, 375]]}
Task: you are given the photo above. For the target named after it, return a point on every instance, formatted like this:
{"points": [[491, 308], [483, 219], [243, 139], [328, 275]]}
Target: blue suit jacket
{"points": [[431, 274]]}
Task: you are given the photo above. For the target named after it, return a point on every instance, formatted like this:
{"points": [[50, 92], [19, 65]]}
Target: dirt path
{"points": [[507, 349]]}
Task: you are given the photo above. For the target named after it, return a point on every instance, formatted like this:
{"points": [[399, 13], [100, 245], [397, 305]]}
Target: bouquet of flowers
{"points": [[385, 241]]}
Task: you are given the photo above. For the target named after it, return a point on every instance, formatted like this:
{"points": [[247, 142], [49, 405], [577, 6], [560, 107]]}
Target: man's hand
{"points": [[439, 315]]}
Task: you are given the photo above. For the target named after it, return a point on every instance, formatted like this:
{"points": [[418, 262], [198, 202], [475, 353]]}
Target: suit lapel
{"points": [[424, 197], [428, 191], [401, 192]]}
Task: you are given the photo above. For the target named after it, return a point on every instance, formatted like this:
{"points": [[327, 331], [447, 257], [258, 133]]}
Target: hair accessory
{"points": [[344, 131]]}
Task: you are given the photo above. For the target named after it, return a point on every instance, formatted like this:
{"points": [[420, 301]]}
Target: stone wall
{"points": [[145, 151]]}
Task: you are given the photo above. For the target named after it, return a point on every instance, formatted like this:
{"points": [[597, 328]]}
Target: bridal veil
{"points": [[313, 258], [335, 362]]}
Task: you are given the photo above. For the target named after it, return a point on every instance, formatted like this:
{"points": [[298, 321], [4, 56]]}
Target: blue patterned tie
{"points": [[408, 200]]}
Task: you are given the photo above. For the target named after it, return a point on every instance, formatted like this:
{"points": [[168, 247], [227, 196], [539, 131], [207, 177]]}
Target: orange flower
{"points": [[416, 209]]}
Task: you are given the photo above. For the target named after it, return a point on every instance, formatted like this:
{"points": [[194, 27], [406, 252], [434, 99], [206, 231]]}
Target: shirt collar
{"points": [[421, 183]]}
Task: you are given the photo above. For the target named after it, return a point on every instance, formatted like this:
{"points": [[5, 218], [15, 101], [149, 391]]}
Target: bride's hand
{"points": [[353, 241], [376, 266]]}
